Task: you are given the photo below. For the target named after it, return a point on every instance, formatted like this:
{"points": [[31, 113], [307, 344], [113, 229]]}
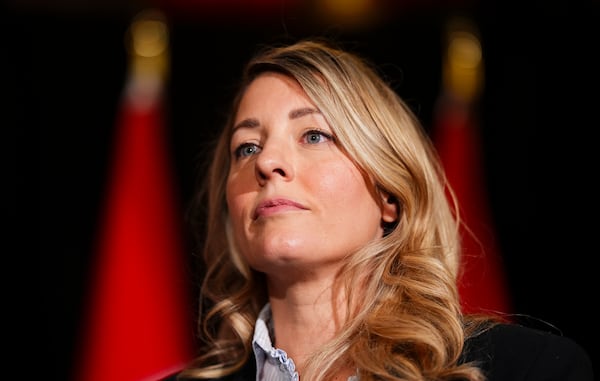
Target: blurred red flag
{"points": [[138, 323], [482, 285]]}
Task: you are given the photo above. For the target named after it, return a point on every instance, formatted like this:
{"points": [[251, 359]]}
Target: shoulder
{"points": [[515, 352]]}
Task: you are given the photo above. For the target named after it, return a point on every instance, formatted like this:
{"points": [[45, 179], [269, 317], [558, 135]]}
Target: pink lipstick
{"points": [[275, 206]]}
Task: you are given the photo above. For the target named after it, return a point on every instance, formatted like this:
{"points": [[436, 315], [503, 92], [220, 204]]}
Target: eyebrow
{"points": [[298, 113], [294, 114], [247, 123]]}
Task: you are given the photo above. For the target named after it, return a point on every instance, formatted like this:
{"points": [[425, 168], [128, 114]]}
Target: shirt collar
{"points": [[272, 364]]}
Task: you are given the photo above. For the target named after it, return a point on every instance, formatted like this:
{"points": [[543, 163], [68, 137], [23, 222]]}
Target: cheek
{"points": [[341, 183], [346, 195], [234, 194], [238, 182]]}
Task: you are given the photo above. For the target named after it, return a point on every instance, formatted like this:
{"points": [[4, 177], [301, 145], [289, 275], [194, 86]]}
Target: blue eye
{"points": [[316, 136], [246, 149]]}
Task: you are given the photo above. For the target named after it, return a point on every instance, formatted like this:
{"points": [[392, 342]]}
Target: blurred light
{"points": [[348, 13], [347, 8], [147, 41], [464, 50], [463, 60], [149, 38]]}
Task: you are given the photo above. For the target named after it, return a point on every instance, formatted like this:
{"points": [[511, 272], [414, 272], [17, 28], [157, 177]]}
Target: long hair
{"points": [[408, 324]]}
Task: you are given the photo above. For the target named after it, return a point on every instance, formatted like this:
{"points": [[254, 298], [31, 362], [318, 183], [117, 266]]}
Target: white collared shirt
{"points": [[272, 364]]}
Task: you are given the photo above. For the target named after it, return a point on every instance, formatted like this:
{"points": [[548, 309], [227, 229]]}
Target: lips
{"points": [[275, 206]]}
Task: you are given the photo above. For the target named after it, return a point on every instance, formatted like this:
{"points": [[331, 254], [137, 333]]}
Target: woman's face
{"points": [[295, 200]]}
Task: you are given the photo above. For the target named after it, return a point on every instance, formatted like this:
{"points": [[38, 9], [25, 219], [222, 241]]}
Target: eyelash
{"points": [[318, 132], [238, 152]]}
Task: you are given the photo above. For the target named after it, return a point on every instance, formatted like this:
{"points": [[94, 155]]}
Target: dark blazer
{"points": [[510, 352], [506, 352]]}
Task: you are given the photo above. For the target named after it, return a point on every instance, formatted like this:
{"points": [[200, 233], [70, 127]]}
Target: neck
{"points": [[306, 315]]}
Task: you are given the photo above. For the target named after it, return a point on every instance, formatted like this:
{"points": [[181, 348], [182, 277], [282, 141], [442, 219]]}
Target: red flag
{"points": [[138, 326], [482, 285]]}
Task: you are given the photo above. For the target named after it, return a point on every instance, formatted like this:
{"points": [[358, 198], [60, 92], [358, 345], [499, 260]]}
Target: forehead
{"points": [[272, 88], [273, 95]]}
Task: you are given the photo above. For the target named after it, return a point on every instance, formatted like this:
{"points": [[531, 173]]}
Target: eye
{"points": [[246, 149], [316, 136]]}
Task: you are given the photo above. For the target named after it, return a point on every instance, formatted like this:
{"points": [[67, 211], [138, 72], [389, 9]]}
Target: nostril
{"points": [[261, 175], [272, 163]]}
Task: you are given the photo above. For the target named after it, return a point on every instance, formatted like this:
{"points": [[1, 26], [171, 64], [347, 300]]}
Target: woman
{"points": [[331, 249]]}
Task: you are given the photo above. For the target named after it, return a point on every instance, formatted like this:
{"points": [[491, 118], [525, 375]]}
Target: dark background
{"points": [[67, 66]]}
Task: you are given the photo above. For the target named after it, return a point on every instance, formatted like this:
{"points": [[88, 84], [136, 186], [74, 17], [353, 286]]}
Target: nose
{"points": [[274, 161]]}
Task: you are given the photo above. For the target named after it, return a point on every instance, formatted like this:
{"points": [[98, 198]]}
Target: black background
{"points": [[67, 66]]}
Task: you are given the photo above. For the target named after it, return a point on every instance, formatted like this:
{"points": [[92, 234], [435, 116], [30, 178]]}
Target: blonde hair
{"points": [[408, 324]]}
